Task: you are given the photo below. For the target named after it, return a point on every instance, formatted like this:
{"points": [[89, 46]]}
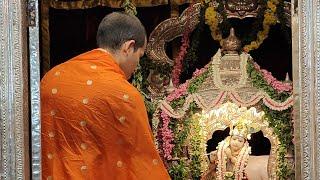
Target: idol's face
{"points": [[236, 143]]}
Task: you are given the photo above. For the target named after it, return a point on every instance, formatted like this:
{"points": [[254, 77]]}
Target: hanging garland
{"points": [[183, 50], [192, 56], [212, 20], [263, 80], [281, 123], [269, 18]]}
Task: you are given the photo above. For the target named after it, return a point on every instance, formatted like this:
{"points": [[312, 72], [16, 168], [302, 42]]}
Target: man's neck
{"points": [[112, 53]]}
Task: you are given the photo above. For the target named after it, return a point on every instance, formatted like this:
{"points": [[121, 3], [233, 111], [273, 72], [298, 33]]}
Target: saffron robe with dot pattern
{"points": [[94, 124]]}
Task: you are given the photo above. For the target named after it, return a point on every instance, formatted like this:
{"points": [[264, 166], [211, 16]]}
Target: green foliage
{"points": [[179, 170], [196, 152], [282, 125], [284, 170], [279, 121], [181, 130], [178, 102], [181, 134], [259, 82], [194, 85]]}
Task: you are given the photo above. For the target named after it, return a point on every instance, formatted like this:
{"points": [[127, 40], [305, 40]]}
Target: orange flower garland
{"points": [[211, 19], [270, 18]]}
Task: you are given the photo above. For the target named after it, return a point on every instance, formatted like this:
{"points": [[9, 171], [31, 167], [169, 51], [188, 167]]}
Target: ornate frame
{"points": [[34, 64], [14, 96], [14, 110]]}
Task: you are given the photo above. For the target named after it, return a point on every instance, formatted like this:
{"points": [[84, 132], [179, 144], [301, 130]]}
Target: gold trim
{"points": [[14, 90]]}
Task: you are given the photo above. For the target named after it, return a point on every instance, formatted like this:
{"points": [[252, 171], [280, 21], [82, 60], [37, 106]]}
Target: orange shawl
{"points": [[94, 124]]}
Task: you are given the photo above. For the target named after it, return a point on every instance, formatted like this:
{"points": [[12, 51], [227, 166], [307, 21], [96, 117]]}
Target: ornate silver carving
{"points": [[306, 77], [13, 90], [4, 88], [168, 30], [317, 60], [306, 87], [32, 12], [241, 8], [34, 65], [231, 44]]}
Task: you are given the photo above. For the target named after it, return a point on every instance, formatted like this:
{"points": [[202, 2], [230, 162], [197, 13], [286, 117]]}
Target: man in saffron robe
{"points": [[94, 122]]}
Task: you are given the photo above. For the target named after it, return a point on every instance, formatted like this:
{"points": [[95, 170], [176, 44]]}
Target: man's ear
{"points": [[128, 46]]}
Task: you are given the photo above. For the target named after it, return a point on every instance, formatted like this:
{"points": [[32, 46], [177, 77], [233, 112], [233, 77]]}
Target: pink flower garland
{"points": [[178, 60], [165, 131], [277, 85], [167, 136], [183, 51], [198, 72], [178, 92]]}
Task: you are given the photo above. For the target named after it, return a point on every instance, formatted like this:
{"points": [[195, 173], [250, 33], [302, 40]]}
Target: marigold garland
{"points": [[212, 20], [211, 17], [269, 20]]}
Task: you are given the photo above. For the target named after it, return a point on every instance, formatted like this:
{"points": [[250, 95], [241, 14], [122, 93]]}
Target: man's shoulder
{"points": [[55, 71], [92, 54], [70, 66], [120, 85]]}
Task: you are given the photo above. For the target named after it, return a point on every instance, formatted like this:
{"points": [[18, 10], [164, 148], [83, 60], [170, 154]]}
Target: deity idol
{"points": [[231, 160]]}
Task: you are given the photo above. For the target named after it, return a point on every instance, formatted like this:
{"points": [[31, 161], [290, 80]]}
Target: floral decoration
{"points": [[215, 17]]}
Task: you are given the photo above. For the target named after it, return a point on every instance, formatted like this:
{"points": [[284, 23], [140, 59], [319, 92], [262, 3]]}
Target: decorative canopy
{"points": [[227, 81]]}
